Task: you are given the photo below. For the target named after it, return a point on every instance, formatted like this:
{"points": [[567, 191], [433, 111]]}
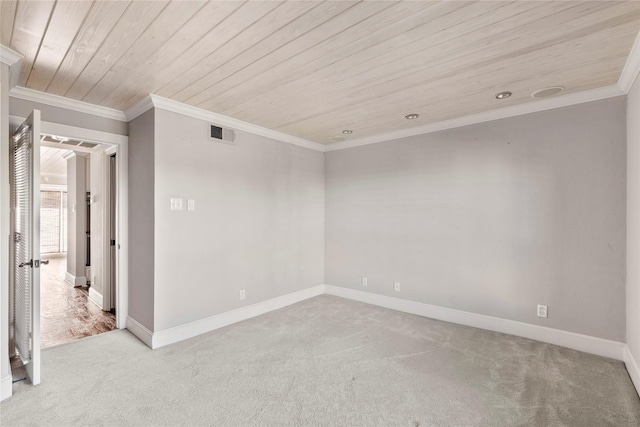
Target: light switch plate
{"points": [[191, 205], [176, 204]]}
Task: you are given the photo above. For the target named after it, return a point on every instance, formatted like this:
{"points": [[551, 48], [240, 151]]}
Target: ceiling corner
{"points": [[631, 67]]}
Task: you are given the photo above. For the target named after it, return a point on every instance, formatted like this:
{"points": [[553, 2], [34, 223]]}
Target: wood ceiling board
{"points": [[437, 101], [96, 27], [52, 161], [138, 16], [170, 20], [7, 15], [66, 19], [226, 31], [30, 23], [379, 73], [379, 92], [267, 47], [354, 25], [191, 42]]}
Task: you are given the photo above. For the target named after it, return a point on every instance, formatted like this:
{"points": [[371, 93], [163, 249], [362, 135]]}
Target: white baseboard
{"points": [[192, 329], [585, 343], [75, 281], [137, 329], [6, 387], [632, 367], [95, 297]]}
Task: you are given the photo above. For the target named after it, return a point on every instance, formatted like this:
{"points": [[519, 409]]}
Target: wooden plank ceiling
{"points": [[314, 68]]}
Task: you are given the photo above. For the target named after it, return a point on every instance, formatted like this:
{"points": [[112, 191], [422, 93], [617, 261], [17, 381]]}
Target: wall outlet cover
{"points": [[542, 311]]}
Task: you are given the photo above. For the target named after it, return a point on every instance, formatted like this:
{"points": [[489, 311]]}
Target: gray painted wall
{"points": [[76, 215], [491, 218], [141, 219], [258, 223], [633, 221], [97, 171], [22, 108]]}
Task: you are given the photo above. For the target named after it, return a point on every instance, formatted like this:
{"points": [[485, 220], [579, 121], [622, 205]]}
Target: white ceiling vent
{"points": [[221, 134]]}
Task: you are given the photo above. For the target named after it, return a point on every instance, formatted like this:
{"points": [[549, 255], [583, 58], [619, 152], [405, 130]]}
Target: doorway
{"points": [[76, 211]]}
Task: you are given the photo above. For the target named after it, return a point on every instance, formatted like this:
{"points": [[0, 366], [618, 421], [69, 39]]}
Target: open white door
{"points": [[25, 221]]}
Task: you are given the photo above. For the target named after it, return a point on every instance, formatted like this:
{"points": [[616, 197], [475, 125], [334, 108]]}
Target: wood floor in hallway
{"points": [[67, 314]]}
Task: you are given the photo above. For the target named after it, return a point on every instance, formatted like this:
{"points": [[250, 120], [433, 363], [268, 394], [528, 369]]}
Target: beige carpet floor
{"points": [[326, 361]]}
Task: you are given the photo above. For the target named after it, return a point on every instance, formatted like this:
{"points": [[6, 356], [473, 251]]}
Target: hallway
{"points": [[67, 314]]}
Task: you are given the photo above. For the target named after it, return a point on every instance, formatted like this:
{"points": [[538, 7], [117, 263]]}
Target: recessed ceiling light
{"points": [[412, 116], [338, 138], [503, 95], [347, 131], [547, 92]]}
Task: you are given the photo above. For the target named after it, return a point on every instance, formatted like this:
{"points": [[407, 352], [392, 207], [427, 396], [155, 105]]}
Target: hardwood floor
{"points": [[67, 314]]}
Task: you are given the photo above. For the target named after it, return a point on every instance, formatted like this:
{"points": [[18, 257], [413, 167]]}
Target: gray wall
{"points": [[76, 216], [97, 171], [258, 223], [141, 219], [491, 218], [633, 221], [22, 108]]}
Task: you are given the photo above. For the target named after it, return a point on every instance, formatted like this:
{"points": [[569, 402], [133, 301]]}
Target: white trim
{"points": [[6, 387], [53, 187], [139, 108], [632, 367], [198, 327], [26, 94], [95, 297], [74, 132], [75, 280], [137, 329], [9, 56], [14, 60], [585, 343], [487, 116], [631, 67], [218, 119]]}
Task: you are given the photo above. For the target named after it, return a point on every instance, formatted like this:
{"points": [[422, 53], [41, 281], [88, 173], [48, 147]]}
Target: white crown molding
{"points": [[487, 116], [192, 329], [631, 67], [13, 59], [9, 56], [632, 367], [26, 94], [580, 342], [218, 119], [139, 108]]}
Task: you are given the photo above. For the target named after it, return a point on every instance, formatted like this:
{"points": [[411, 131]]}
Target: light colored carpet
{"points": [[326, 361]]}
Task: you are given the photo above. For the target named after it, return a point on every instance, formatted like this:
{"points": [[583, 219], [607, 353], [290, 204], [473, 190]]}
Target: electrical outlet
{"points": [[243, 294], [542, 310], [191, 205], [364, 281], [396, 286]]}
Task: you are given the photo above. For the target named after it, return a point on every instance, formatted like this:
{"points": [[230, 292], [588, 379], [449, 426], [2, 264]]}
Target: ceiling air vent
{"points": [[221, 134]]}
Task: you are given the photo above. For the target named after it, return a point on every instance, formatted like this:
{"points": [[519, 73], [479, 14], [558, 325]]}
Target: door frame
{"points": [[121, 144]]}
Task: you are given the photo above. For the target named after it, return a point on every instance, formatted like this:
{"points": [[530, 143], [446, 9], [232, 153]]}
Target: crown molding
{"points": [[26, 94], [13, 59], [219, 119], [487, 116], [9, 56], [631, 67]]}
